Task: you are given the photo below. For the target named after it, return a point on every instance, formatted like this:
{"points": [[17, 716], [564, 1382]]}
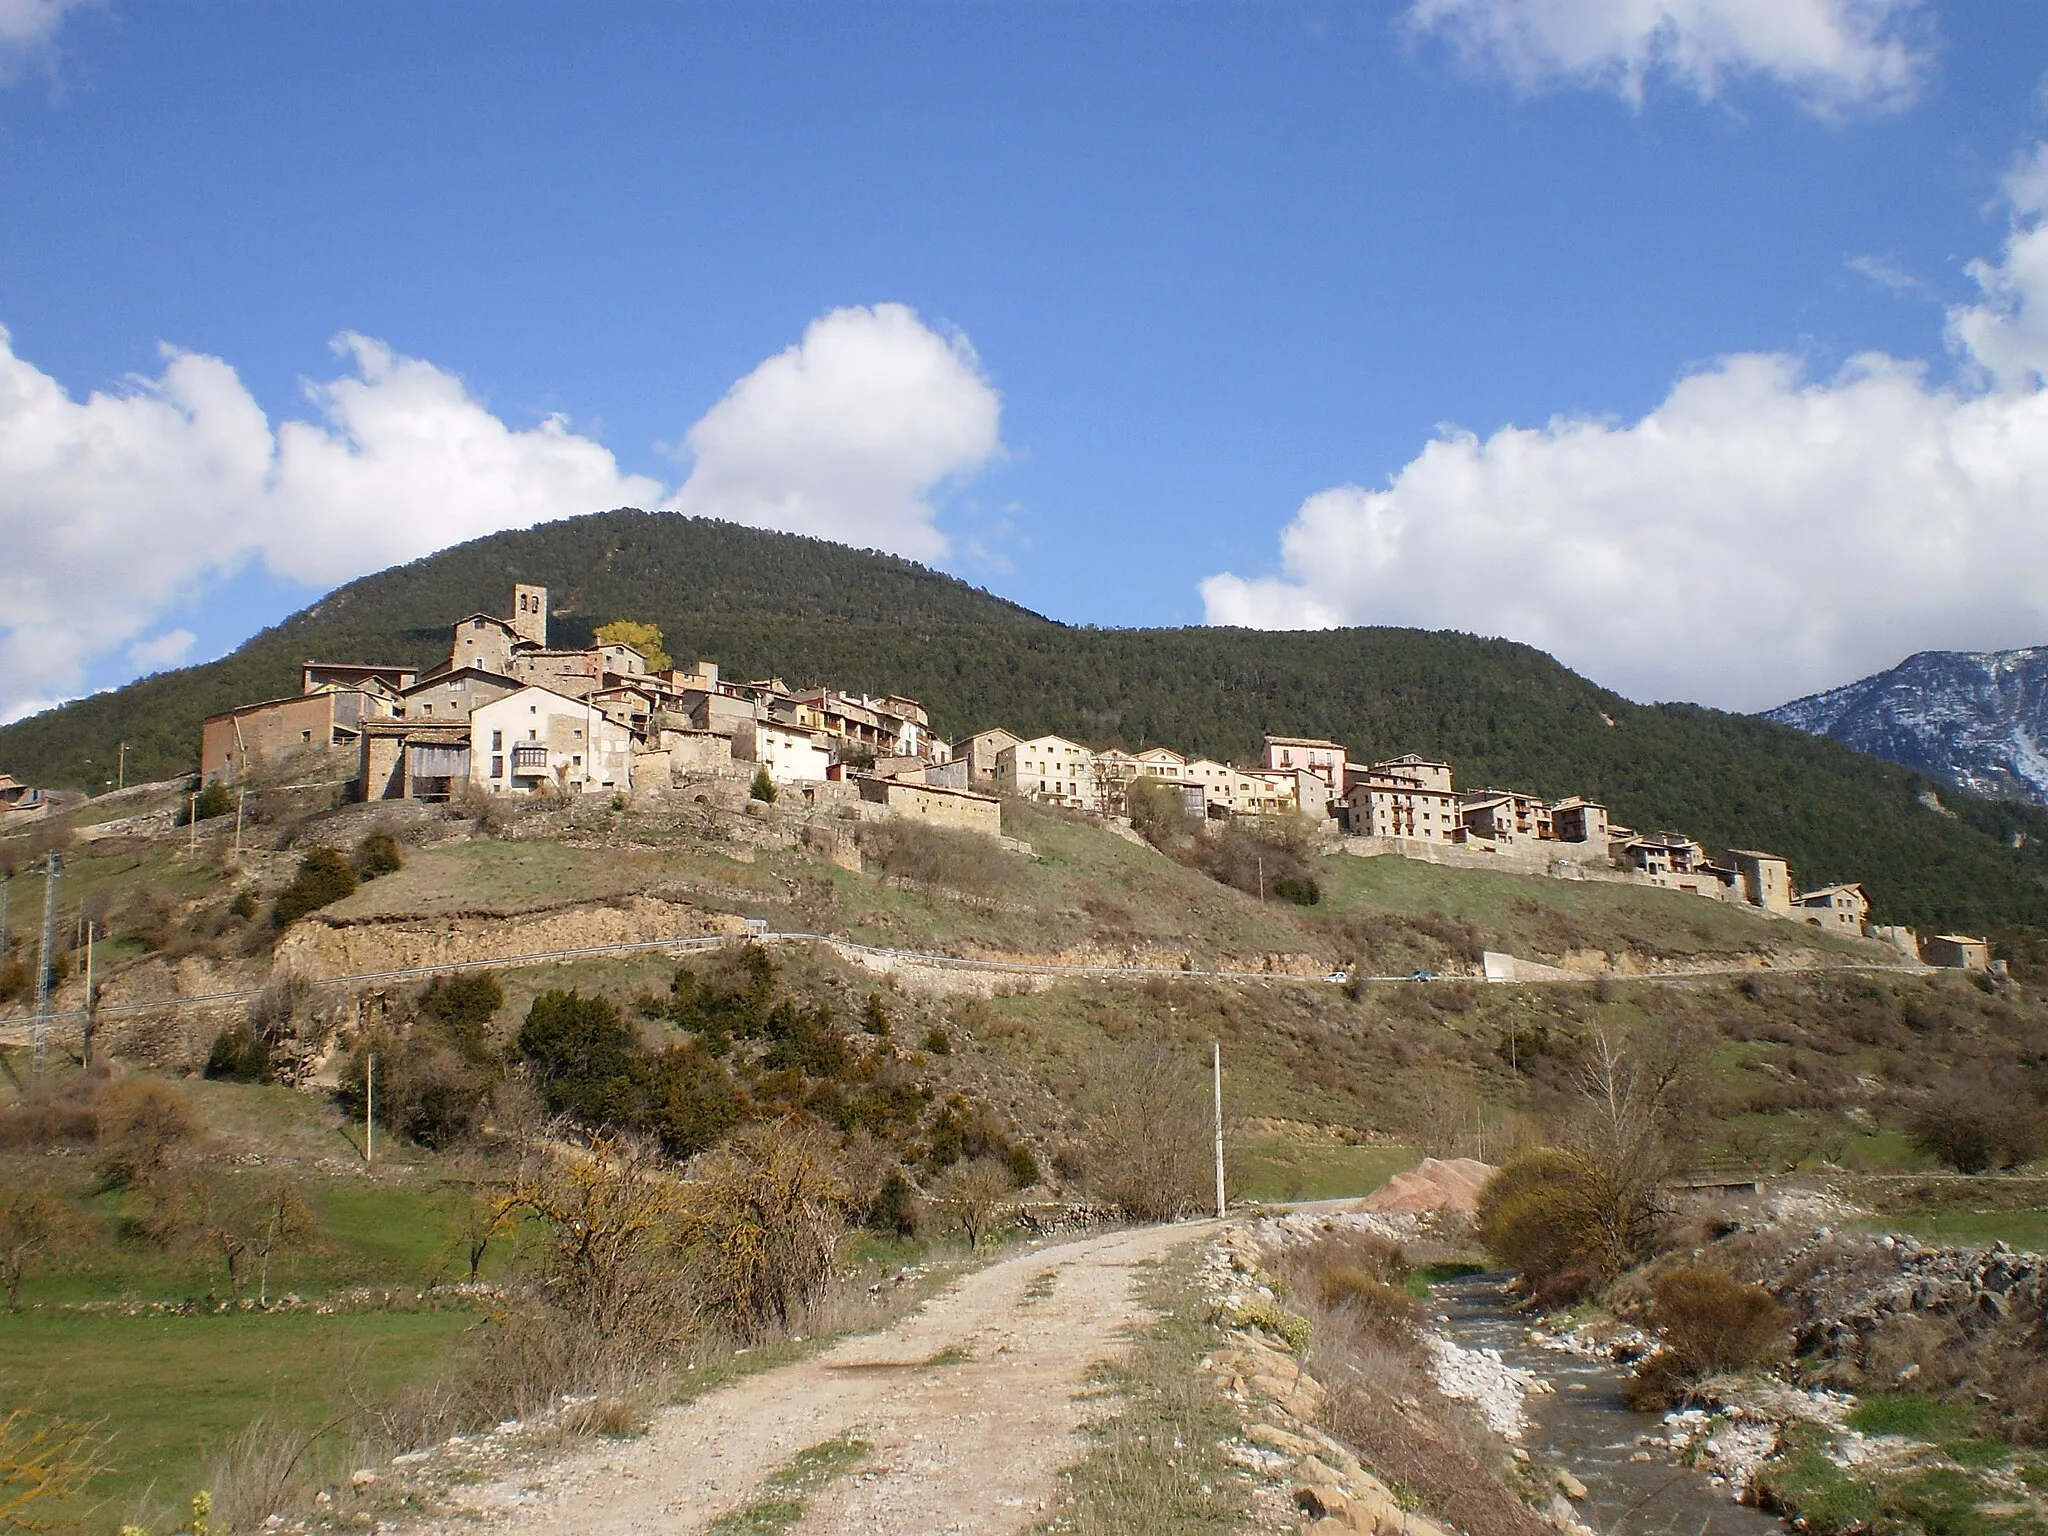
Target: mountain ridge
{"points": [[1974, 719], [810, 611]]}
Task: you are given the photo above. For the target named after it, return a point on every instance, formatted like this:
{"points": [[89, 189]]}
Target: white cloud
{"points": [[116, 507], [848, 434], [1829, 54], [1756, 536], [1884, 272], [29, 28], [156, 653]]}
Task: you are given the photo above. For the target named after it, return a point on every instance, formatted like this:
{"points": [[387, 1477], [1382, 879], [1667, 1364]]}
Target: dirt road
{"points": [[971, 1407]]}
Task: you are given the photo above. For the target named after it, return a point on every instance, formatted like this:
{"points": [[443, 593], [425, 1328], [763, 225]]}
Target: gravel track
{"points": [[973, 1446]]}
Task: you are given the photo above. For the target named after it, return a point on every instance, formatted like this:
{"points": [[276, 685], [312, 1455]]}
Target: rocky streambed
{"points": [[1566, 1407]]}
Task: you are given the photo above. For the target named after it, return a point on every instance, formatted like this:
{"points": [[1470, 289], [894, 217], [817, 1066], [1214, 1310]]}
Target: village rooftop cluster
{"points": [[510, 715]]}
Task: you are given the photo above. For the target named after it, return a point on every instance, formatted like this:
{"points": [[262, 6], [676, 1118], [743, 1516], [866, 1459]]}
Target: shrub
{"points": [[1158, 813], [240, 1055], [464, 1006], [243, 906], [324, 877], [764, 1219], [216, 799], [691, 1099], [141, 1127], [1973, 1127], [898, 1208], [1709, 1323], [608, 1211], [1147, 1133], [1022, 1163], [959, 860], [377, 855], [1540, 1216], [938, 1042], [580, 1053], [763, 788]]}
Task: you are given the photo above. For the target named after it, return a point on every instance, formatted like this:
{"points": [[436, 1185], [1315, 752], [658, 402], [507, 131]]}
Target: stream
{"points": [[1587, 1428]]}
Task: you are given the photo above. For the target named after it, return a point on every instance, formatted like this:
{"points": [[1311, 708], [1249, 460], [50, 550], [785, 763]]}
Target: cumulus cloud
{"points": [[1831, 55], [159, 651], [848, 434], [1756, 536], [29, 28], [115, 508]]}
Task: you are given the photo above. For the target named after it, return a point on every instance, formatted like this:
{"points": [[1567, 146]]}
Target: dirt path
{"points": [[971, 1407]]}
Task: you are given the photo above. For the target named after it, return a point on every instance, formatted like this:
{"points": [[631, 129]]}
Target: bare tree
{"points": [[34, 1219], [1147, 1132], [608, 1207], [764, 1219], [977, 1195]]}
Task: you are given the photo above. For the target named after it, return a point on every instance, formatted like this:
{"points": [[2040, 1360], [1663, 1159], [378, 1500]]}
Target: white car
{"points": [[1339, 976]]}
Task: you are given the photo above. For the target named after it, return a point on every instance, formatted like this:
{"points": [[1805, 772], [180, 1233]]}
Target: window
{"points": [[497, 767], [497, 741], [476, 623], [427, 708], [577, 760]]}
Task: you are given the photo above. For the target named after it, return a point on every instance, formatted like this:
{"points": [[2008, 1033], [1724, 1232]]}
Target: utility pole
{"points": [[91, 1002], [39, 1032], [6, 889], [240, 801], [1218, 1059], [192, 821], [370, 1111], [1262, 879], [121, 768]]}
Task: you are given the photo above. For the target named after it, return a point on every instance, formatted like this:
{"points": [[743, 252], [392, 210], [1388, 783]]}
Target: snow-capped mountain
{"points": [[1976, 718]]}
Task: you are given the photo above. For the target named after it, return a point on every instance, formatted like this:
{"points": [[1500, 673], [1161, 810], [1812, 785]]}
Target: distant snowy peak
{"points": [[1978, 719]]}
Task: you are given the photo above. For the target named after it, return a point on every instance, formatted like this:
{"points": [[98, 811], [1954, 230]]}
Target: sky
{"points": [[1698, 342]]}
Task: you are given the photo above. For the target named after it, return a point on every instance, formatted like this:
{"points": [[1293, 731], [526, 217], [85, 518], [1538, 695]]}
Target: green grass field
{"points": [[165, 1394], [1283, 1168], [2022, 1229]]}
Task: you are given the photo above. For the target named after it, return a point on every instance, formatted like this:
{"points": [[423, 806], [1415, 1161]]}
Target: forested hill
{"points": [[809, 611]]}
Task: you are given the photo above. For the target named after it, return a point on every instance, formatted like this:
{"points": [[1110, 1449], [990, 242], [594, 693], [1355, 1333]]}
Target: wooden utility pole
{"points": [[121, 768], [85, 1048], [240, 801], [370, 1110], [1218, 1060], [192, 821]]}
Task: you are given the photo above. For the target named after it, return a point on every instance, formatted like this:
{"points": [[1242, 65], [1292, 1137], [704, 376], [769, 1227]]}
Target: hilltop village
{"points": [[508, 714]]}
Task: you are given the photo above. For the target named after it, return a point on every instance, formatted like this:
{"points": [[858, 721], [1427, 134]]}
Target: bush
{"points": [[580, 1052], [898, 1208], [377, 855], [464, 1006], [1147, 1133], [938, 1042], [216, 799], [141, 1126], [764, 1220], [1709, 1323], [239, 1055], [763, 788], [1974, 1127], [1540, 1216], [1158, 813], [324, 877], [959, 860]]}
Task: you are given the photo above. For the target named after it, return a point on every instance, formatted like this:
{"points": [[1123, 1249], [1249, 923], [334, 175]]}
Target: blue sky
{"points": [[1192, 295]]}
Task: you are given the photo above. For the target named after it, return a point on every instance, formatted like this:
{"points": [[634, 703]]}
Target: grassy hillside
{"points": [[811, 611]]}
